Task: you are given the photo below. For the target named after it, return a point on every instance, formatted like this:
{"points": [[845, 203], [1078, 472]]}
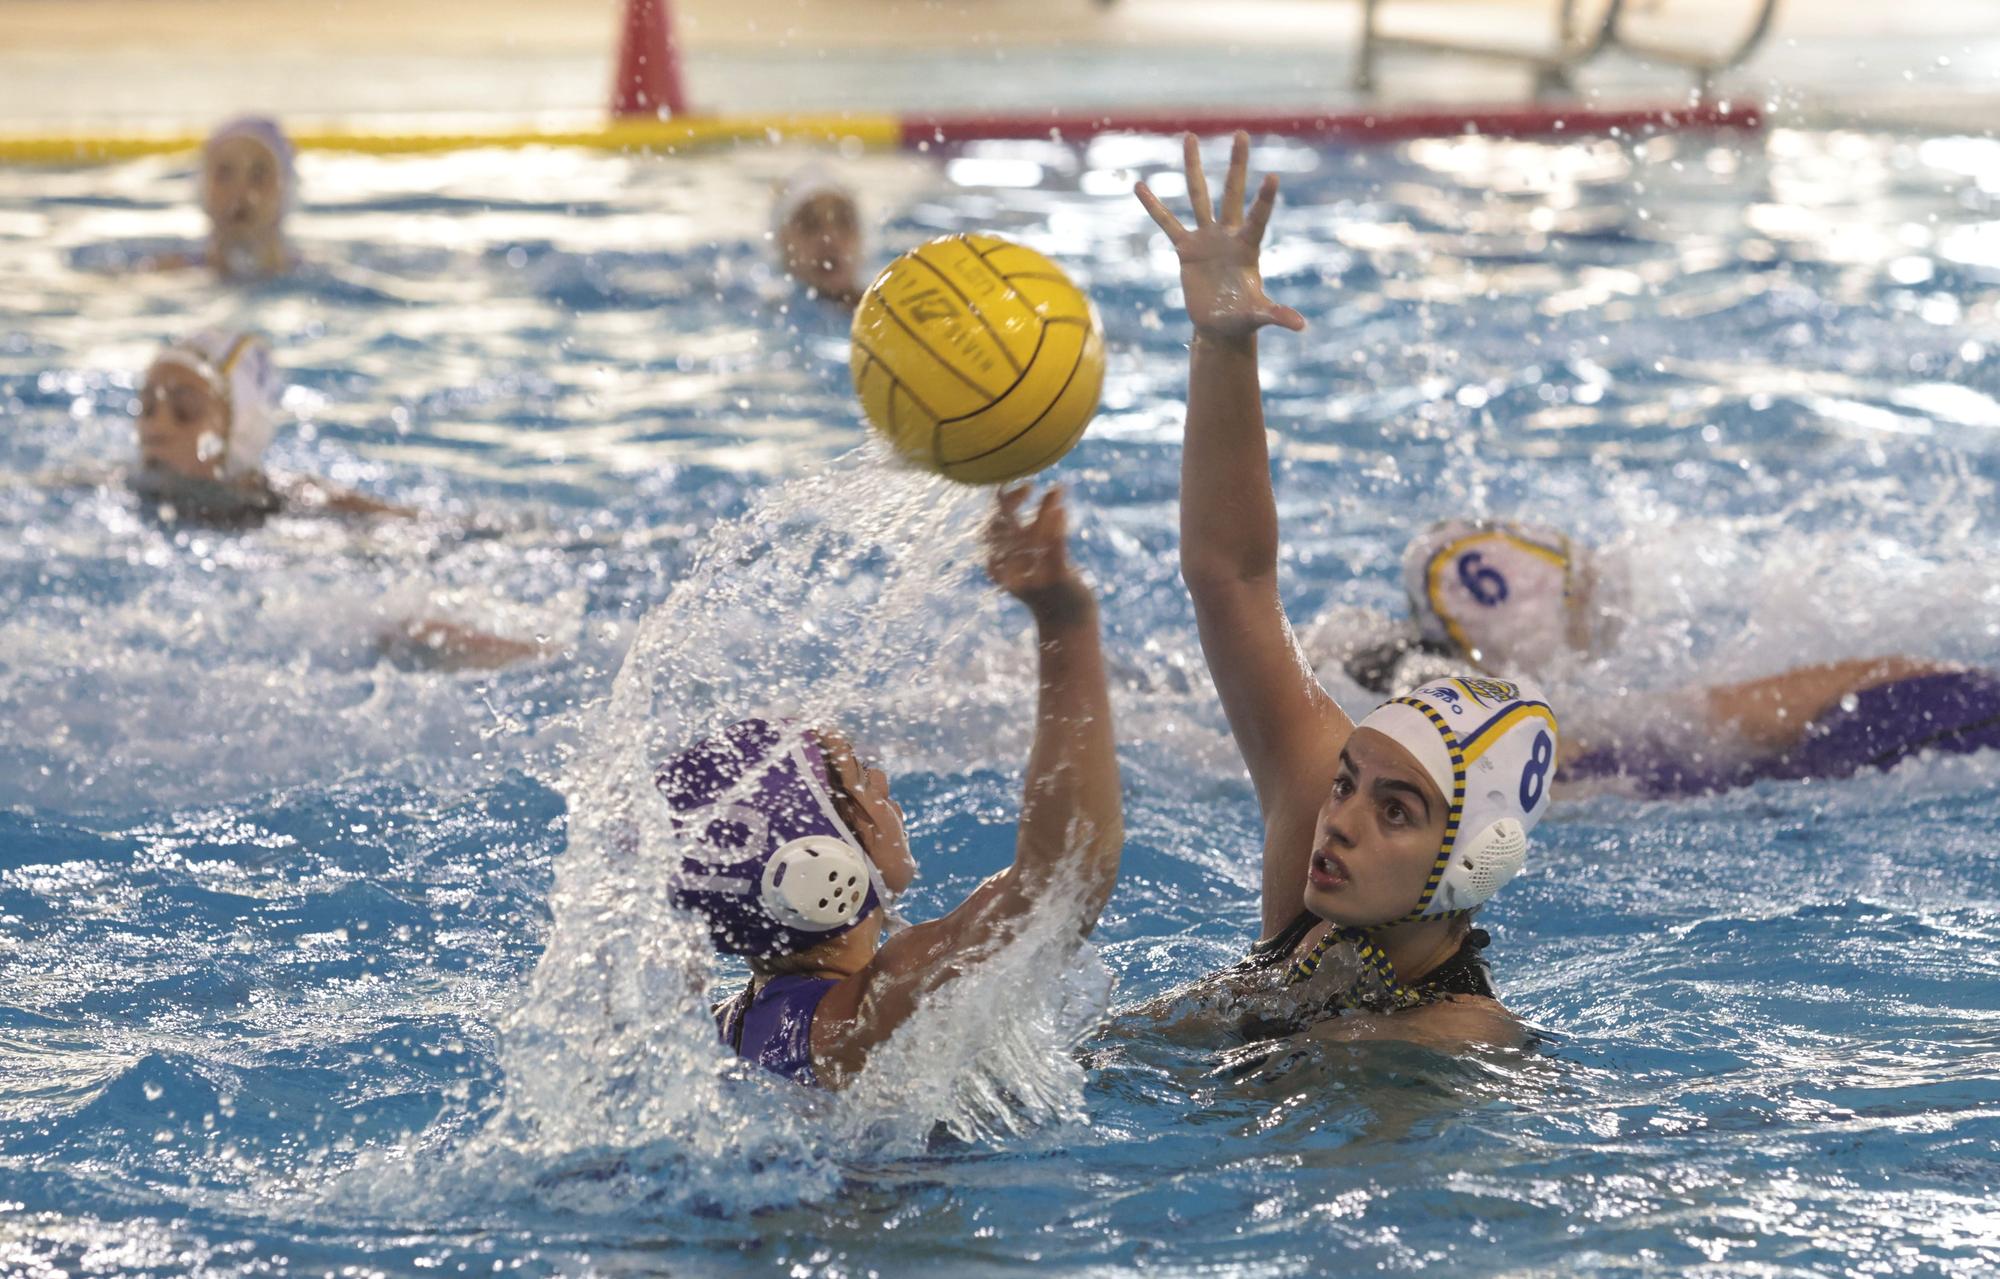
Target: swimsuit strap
{"points": [[1276, 949], [770, 1023]]}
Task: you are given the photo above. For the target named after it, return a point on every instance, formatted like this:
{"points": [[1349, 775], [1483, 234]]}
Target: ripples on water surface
{"points": [[272, 910]]}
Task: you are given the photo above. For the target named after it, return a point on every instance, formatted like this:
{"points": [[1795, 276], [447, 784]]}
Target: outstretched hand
{"points": [[1219, 276], [1029, 559]]}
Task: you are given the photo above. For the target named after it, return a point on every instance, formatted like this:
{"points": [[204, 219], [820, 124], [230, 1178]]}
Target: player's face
{"points": [[821, 243], [1378, 835], [183, 425], [242, 188]]}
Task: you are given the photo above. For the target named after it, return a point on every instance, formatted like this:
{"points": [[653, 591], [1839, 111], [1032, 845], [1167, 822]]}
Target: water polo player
{"points": [[247, 186], [1428, 816], [1387, 835], [207, 411], [248, 182], [793, 849], [816, 228], [1516, 597]]}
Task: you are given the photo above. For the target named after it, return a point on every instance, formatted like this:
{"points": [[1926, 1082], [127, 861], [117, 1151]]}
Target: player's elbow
{"points": [[1221, 575]]}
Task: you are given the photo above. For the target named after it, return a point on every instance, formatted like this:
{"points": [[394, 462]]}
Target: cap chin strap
{"points": [[885, 898], [1375, 962], [1454, 813]]}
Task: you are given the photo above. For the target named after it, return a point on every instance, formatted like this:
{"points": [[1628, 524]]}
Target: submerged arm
{"points": [[1072, 824], [1462, 1023], [431, 643], [1771, 713], [314, 495]]}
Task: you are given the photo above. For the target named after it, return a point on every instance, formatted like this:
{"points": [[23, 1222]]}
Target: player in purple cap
{"points": [[793, 848]]}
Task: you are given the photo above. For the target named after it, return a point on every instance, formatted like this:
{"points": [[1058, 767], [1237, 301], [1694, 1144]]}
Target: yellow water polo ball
{"points": [[977, 359]]}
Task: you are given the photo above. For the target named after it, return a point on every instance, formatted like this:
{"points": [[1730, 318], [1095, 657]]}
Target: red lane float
{"points": [[1374, 124]]}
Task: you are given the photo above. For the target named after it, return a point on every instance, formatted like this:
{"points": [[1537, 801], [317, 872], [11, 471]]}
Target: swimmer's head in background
{"points": [[1490, 747], [816, 226], [765, 858], [1505, 596], [248, 178], [1375, 651], [225, 434]]}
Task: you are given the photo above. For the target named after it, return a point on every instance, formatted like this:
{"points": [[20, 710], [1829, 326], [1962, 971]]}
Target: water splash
{"points": [[831, 593]]}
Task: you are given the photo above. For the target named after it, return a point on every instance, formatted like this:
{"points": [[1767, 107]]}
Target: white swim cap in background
{"points": [[237, 366], [1490, 747], [271, 136], [1500, 593], [1377, 653], [799, 188]]}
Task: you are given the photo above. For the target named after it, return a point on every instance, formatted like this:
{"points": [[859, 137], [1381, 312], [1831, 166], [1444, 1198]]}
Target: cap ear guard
{"points": [[817, 884], [1480, 867]]}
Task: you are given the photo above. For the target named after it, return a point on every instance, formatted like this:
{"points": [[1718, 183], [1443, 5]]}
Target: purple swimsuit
{"points": [[1953, 712], [773, 1028]]}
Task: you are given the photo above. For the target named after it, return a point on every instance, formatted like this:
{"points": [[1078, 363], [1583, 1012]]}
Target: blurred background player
{"points": [[247, 185], [207, 412], [816, 227]]}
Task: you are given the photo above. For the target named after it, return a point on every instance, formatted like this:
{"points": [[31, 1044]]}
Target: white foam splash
{"points": [[831, 602], [206, 666]]}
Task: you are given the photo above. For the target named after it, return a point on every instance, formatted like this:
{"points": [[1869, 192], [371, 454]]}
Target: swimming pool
{"points": [[273, 997]]}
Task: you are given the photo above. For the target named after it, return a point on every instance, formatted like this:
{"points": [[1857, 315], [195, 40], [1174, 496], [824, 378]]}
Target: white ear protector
{"points": [[817, 884]]}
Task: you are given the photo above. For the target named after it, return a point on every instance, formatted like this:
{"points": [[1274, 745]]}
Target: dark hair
{"points": [[1374, 667]]}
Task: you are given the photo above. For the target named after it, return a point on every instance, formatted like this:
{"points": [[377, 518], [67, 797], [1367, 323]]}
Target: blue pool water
{"points": [[310, 964]]}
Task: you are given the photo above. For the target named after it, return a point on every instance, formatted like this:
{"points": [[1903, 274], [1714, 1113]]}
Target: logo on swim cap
{"points": [[1490, 747], [1493, 690]]}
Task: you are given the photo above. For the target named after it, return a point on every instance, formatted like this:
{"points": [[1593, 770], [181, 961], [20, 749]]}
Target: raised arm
{"points": [[1287, 728], [1072, 820]]}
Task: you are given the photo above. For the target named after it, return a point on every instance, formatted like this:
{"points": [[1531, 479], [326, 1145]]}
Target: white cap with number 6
{"points": [[1500, 594]]}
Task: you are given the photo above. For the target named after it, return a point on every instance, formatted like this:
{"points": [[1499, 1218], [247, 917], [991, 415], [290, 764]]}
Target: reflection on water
{"points": [[267, 902]]}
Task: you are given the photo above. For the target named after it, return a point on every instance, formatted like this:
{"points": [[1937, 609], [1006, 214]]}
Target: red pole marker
{"points": [[648, 81]]}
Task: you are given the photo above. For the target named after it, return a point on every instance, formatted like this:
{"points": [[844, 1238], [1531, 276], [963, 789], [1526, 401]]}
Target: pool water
{"points": [[313, 964]]}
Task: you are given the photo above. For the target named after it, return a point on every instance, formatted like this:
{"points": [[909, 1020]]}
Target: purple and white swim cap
{"points": [[766, 859]]}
